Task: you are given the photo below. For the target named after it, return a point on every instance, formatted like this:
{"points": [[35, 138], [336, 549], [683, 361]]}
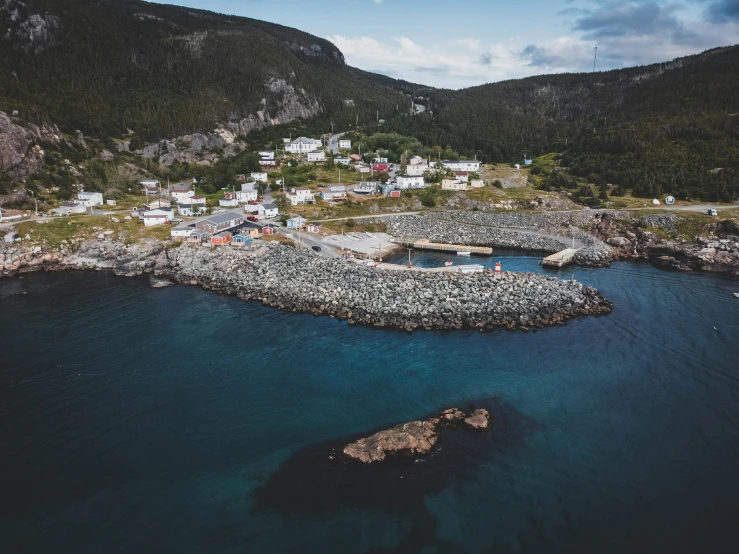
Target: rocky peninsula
{"points": [[414, 437], [298, 280]]}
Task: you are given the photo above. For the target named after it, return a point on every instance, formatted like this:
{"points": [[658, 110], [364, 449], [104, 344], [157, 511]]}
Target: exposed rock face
{"points": [[193, 148], [20, 152], [28, 31], [414, 437], [298, 280]]}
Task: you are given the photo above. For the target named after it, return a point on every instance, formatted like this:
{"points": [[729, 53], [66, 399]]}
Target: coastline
{"points": [[296, 280]]}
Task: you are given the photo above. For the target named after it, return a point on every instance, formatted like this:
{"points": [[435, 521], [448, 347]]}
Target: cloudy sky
{"points": [[461, 43]]}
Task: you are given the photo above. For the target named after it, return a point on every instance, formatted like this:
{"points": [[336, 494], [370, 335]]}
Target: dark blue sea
{"points": [[139, 420]]}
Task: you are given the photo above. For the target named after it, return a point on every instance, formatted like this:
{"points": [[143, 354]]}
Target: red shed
{"points": [[380, 167], [267, 230], [394, 194]]}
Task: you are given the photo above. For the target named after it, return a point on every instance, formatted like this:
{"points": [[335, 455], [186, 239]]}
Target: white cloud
{"points": [[463, 62], [377, 1]]}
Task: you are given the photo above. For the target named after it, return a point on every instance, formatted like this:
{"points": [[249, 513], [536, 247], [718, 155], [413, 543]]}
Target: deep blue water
{"points": [[177, 420]]}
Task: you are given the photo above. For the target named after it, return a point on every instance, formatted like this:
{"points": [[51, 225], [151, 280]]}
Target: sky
{"points": [[461, 43]]}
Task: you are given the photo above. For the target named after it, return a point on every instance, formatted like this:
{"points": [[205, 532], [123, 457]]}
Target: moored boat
{"points": [[448, 263], [460, 253]]}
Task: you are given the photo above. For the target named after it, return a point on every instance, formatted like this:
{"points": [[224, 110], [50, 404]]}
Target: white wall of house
{"points": [[228, 202], [316, 156], [90, 198], [259, 176], [182, 197], [303, 145], [453, 184], [344, 143], [268, 213], [414, 170], [244, 196], [404, 182], [462, 165]]}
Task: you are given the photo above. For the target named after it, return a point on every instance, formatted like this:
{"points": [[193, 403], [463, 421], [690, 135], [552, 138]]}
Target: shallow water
{"points": [[177, 420]]}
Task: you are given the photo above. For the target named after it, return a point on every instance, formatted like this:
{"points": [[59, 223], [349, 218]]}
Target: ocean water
{"points": [[177, 420]]}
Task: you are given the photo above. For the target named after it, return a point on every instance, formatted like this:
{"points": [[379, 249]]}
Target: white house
{"points": [[89, 199], [408, 182], [69, 207], [244, 196], [268, 163], [296, 222], [414, 170], [259, 176], [251, 186], [182, 231], [268, 211], [462, 165], [160, 216], [300, 196], [189, 210], [345, 144], [303, 145], [181, 192], [317, 156], [342, 161], [462, 176], [267, 155], [228, 202], [149, 183], [476, 183], [415, 160], [453, 184]]}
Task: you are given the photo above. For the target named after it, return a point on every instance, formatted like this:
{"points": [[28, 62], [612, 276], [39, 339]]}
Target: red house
{"points": [[381, 167], [394, 194], [267, 230], [221, 238]]}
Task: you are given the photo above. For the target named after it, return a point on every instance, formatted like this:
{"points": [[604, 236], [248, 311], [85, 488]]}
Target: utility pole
{"points": [[595, 57]]}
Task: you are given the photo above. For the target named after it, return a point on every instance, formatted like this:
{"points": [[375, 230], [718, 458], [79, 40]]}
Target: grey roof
{"points": [[180, 186], [223, 218], [269, 206]]}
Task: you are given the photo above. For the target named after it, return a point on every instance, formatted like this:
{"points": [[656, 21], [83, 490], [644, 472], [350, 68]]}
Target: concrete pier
{"points": [[560, 259], [427, 245]]}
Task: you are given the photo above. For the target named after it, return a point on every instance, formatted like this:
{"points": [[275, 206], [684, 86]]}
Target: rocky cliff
{"points": [[21, 152]]}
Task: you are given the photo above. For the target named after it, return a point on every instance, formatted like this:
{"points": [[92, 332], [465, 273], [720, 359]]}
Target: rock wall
{"points": [[21, 155], [298, 280]]}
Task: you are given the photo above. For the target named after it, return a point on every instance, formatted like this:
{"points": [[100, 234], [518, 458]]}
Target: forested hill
{"points": [[109, 66], [667, 127]]}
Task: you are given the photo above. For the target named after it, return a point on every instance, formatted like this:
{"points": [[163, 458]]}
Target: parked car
{"points": [[711, 211], [252, 218], [176, 220], [316, 248]]}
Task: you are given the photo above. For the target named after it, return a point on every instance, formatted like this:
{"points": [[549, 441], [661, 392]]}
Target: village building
{"points": [[251, 185], [476, 183], [268, 163], [160, 216], [405, 182], [259, 176], [268, 230], [317, 156], [329, 196], [300, 196], [313, 228], [181, 191], [462, 165], [227, 202], [90, 199], [367, 187], [296, 222], [68, 208], [342, 161], [303, 145], [268, 211], [336, 187], [345, 144], [221, 222], [219, 239], [149, 183], [453, 184], [414, 170], [159, 203], [10, 215], [267, 155], [462, 176]]}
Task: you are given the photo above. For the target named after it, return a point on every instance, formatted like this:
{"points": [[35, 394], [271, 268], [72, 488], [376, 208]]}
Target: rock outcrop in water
{"points": [[298, 280], [414, 437]]}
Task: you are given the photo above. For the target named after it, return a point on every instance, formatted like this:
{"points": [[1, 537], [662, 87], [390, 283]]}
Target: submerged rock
{"points": [[414, 437]]}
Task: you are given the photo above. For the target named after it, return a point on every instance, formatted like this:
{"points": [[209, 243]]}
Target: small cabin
{"points": [[221, 238]]}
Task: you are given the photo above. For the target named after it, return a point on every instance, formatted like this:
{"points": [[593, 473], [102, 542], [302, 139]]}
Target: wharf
{"points": [[560, 259], [426, 245]]}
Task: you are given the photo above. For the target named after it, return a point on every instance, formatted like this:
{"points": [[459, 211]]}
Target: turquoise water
{"points": [[177, 420]]}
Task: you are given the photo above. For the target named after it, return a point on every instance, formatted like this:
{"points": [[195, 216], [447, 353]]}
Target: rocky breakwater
{"points": [[483, 229], [414, 437], [446, 230], [297, 280]]}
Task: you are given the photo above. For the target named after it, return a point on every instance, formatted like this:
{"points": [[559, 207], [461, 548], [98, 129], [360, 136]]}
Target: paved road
{"points": [[308, 241], [333, 143]]}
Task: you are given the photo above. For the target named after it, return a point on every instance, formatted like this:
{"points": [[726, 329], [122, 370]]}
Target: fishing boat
{"points": [[460, 253], [736, 294], [448, 263]]}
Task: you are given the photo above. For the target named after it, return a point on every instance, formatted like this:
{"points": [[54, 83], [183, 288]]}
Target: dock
{"points": [[560, 259], [426, 245]]}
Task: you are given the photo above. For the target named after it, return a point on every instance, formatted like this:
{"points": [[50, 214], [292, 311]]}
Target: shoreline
{"points": [[299, 281]]}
